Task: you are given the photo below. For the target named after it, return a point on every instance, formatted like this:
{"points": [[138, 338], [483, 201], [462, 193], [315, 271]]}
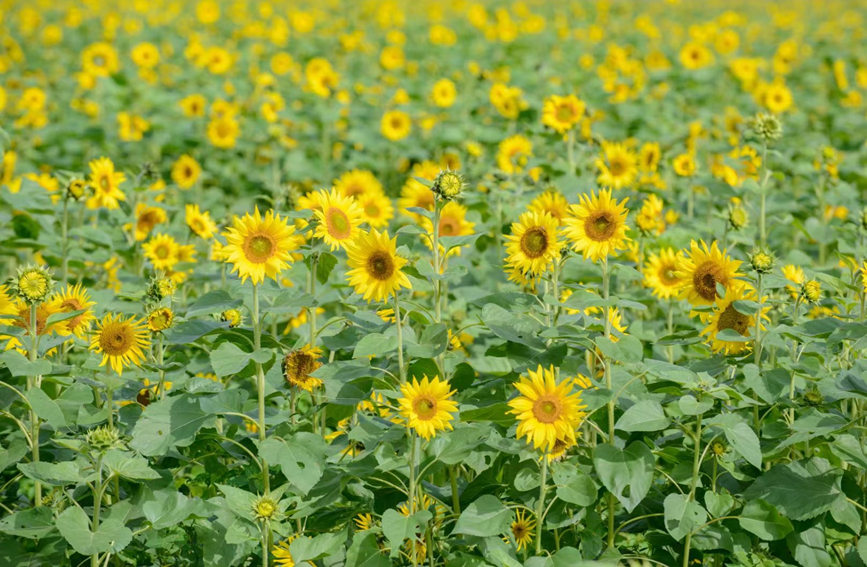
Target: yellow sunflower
{"points": [[376, 208], [396, 125], [702, 268], [618, 166], [795, 274], [375, 268], [200, 222], [162, 250], [146, 218], [259, 247], [522, 529], [726, 317], [298, 366], [427, 406], [552, 202], [534, 243], [660, 273], [186, 171], [223, 131], [122, 342], [105, 182], [513, 153], [453, 222], [160, 319], [356, 183], [73, 298], [562, 113], [545, 410], [282, 555], [339, 218], [597, 225]]}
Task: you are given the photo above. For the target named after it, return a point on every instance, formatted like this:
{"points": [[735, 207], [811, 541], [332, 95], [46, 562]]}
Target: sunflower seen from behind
{"points": [[121, 342], [545, 409], [702, 268], [259, 246], [338, 219], [597, 226], [534, 243], [375, 268], [427, 406]]}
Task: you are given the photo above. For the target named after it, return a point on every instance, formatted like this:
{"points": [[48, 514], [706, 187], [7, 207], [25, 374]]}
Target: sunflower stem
{"points": [[540, 505], [456, 496], [97, 504], [670, 326], [397, 321], [412, 487], [763, 239], [160, 357], [696, 465], [64, 239], [32, 353], [570, 150], [758, 339], [438, 268], [260, 387], [606, 370], [311, 321]]}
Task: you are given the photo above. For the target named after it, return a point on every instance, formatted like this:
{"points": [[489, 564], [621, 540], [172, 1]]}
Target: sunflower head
{"points": [[76, 189], [766, 127], [33, 283], [737, 215], [160, 319], [231, 316], [427, 406], [811, 290], [728, 317], [534, 243], [762, 261], [702, 268], [160, 288], [122, 342], [298, 366], [522, 529], [597, 226], [375, 268], [265, 508], [102, 438], [448, 185], [259, 246]]}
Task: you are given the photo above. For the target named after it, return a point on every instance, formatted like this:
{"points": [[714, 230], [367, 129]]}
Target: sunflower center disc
{"points": [[380, 266], [732, 319], [534, 242], [546, 410]]}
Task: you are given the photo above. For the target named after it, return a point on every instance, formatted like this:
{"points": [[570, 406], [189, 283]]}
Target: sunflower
{"points": [[725, 316], [162, 251], [199, 222], [376, 208], [146, 218], [795, 275], [701, 269], [597, 226], [513, 153], [339, 218], [99, 59], [684, 165], [452, 222], [282, 555], [364, 522], [298, 366], [443, 93], [648, 156], [427, 406], [660, 273], [522, 529], [160, 319], [375, 268], [546, 411], [259, 247], [356, 183], [122, 342], [105, 182], [73, 298], [694, 55], [618, 166], [534, 243], [223, 131], [552, 202], [186, 171], [562, 113], [396, 125]]}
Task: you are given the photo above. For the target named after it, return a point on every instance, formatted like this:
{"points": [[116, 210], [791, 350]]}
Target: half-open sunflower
{"points": [[122, 342], [73, 298], [546, 411], [339, 217], [534, 243], [702, 268], [375, 268], [597, 225], [427, 406], [259, 247]]}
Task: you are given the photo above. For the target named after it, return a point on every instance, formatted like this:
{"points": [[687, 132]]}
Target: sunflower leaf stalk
{"points": [[260, 385], [399, 327], [35, 382], [540, 505]]}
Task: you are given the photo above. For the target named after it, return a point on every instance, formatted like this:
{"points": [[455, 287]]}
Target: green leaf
{"points": [[374, 344], [682, 515], [215, 301], [227, 359], [364, 552], [189, 331], [167, 423], [33, 523], [507, 326], [797, 493], [397, 528], [301, 458], [646, 415], [764, 521], [324, 266], [808, 547], [573, 485], [127, 465], [56, 474], [486, 516], [166, 508], [690, 406], [74, 526], [745, 442], [308, 549], [19, 365], [625, 469], [626, 349], [239, 500], [46, 408]]}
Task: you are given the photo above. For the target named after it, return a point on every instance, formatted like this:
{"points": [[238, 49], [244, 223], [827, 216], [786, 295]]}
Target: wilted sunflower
{"points": [[162, 251], [534, 243], [427, 406], [121, 342], [618, 166], [298, 366], [522, 529], [597, 225], [660, 273], [546, 411], [73, 298], [726, 317], [339, 218], [375, 268], [259, 247], [702, 268], [106, 184], [200, 222]]}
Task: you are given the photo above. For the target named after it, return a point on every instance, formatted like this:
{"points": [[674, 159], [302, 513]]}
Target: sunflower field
{"points": [[454, 283]]}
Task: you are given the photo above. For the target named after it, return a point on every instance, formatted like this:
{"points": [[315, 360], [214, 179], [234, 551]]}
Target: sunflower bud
{"points": [[813, 397], [448, 185], [766, 127], [161, 288], [160, 319], [811, 291], [33, 283], [102, 438], [264, 508], [762, 261], [737, 216], [76, 189], [231, 316], [718, 448]]}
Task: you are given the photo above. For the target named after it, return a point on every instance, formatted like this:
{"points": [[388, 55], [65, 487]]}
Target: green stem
{"points": [[64, 242], [456, 497], [97, 504], [32, 353], [160, 359], [670, 326], [758, 339], [570, 150], [260, 387], [540, 505], [606, 369], [696, 466], [397, 321], [412, 487]]}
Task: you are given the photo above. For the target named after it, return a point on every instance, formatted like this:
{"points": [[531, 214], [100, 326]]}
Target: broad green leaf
{"points": [[33, 523], [74, 526], [301, 458], [57, 474], [19, 365], [682, 515], [310, 548], [127, 465], [808, 547], [374, 344], [215, 301], [486, 516], [227, 359], [167, 423], [763, 520], [573, 485], [797, 493], [364, 552], [646, 415], [626, 349], [625, 470], [46, 408]]}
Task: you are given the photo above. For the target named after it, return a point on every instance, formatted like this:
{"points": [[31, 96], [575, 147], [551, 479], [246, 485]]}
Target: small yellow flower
{"points": [[231, 316], [160, 319]]}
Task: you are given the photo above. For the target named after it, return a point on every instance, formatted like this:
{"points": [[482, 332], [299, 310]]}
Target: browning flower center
{"points": [[617, 166], [600, 226], [380, 265], [448, 226], [534, 242], [705, 278], [732, 319], [116, 340]]}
